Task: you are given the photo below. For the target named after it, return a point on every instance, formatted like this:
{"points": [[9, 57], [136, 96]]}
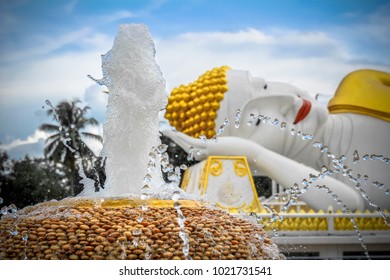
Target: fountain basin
{"points": [[108, 229]]}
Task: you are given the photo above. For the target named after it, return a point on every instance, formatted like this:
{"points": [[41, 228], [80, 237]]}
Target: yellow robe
{"points": [[364, 92]]}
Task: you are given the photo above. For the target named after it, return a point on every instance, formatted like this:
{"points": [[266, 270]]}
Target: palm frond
{"points": [[52, 138], [90, 121], [50, 148], [49, 127], [93, 136]]}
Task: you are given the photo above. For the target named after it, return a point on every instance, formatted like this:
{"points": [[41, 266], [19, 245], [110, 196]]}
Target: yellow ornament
{"points": [[193, 108]]}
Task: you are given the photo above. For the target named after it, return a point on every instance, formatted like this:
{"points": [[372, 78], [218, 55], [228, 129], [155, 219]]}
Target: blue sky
{"points": [[48, 48]]}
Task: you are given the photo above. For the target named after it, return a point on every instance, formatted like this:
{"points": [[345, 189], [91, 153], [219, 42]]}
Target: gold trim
{"points": [[216, 167], [186, 179], [239, 168], [112, 202], [251, 208]]}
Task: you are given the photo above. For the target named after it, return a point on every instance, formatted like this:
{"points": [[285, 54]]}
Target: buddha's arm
{"points": [[283, 170]]}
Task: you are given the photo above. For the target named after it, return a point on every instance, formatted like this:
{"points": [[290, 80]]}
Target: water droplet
{"points": [[252, 118], [198, 152], [221, 129], [146, 189], [276, 233], [183, 167], [374, 157], [177, 170], [292, 131], [366, 157], [175, 195], [105, 81], [261, 118], [14, 231], [12, 208], [177, 205], [25, 237], [313, 177], [356, 158], [324, 149], [4, 210], [238, 116], [172, 176], [306, 183], [1, 200], [190, 153], [378, 184], [147, 178], [317, 145], [214, 139], [387, 192], [162, 148], [144, 207], [283, 125], [167, 168], [203, 138], [275, 122], [307, 136], [151, 165], [137, 231], [260, 237], [299, 133], [139, 220], [330, 155], [226, 122], [144, 196]]}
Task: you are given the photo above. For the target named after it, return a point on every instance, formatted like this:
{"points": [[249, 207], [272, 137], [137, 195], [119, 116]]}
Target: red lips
{"points": [[303, 111]]}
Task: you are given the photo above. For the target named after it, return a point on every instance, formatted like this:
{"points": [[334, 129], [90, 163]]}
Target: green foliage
{"points": [[31, 181], [66, 145]]}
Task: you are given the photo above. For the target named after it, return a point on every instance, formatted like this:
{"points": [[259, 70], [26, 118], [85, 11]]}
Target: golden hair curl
{"points": [[192, 109]]}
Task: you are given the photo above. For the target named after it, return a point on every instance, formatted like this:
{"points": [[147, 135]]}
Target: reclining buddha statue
{"points": [[290, 137]]}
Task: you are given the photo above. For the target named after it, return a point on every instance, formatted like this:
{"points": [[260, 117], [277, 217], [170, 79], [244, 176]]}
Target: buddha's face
{"points": [[281, 103]]}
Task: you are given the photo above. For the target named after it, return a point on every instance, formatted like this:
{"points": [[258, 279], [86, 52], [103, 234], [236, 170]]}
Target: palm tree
{"points": [[66, 144]]}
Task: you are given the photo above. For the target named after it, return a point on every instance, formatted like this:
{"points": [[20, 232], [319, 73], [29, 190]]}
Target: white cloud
{"points": [[95, 98], [41, 45], [314, 61], [60, 76], [32, 139]]}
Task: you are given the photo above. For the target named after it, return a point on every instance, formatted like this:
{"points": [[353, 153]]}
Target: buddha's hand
{"points": [[196, 146], [224, 146]]}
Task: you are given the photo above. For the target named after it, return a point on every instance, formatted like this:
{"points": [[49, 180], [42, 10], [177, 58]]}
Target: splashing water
{"points": [[252, 118], [180, 220], [238, 116], [131, 126], [346, 210], [356, 158], [338, 163]]}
